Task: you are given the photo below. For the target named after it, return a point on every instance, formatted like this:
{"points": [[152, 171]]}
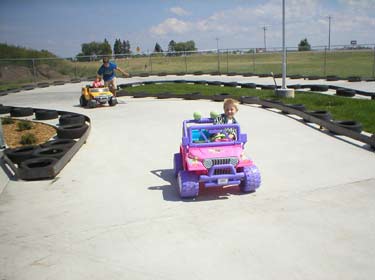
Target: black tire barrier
{"points": [[58, 83], [299, 107], [214, 83], [278, 75], [5, 109], [163, 95], [38, 168], [263, 75], [249, 99], [42, 85], [369, 79], [50, 152], [162, 74], [72, 119], [297, 86], [68, 143], [313, 77], [21, 112], [71, 131], [345, 92], [180, 74], [144, 74], [76, 80], [320, 114], [46, 114], [319, 88], [248, 74], [198, 73], [248, 85], [267, 87], [62, 113], [121, 86], [306, 86], [230, 84], [123, 93], [28, 87], [352, 125], [295, 77], [232, 74], [272, 101], [17, 155], [179, 81], [201, 82], [141, 95], [332, 78], [193, 96], [220, 97], [354, 79], [215, 73]]}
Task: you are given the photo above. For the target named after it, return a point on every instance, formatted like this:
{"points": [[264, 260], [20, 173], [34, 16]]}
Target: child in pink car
{"points": [[97, 83], [230, 109]]}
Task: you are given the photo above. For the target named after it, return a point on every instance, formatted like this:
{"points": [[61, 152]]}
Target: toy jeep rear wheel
{"points": [[82, 101], [251, 180], [188, 184], [112, 101]]}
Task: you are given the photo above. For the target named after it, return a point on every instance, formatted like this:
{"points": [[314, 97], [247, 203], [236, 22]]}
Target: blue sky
{"points": [[62, 26]]}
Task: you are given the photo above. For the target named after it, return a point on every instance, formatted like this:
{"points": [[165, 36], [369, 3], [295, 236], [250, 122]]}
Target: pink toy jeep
{"points": [[211, 157]]}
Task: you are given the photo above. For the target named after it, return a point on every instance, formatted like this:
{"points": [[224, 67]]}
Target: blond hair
{"points": [[230, 102]]}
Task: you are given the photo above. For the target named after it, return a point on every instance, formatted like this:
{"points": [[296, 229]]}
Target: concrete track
{"points": [[114, 211]]}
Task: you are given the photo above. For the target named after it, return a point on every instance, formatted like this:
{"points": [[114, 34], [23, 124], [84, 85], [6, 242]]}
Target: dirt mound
{"points": [[9, 73]]}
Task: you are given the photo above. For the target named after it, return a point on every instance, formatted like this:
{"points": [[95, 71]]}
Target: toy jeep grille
{"points": [[222, 171], [208, 163]]}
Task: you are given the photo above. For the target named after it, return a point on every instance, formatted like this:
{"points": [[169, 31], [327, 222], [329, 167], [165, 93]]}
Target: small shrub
{"points": [[7, 120], [28, 139], [24, 125]]}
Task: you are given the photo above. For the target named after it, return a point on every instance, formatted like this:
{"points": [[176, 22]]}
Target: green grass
{"points": [[341, 108]]}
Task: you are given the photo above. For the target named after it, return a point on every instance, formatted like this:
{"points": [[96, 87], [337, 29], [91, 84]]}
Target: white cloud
{"points": [[171, 26], [242, 25], [179, 11]]}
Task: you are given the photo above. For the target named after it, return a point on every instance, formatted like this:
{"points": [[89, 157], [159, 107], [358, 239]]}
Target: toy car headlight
{"points": [[234, 161], [207, 163]]}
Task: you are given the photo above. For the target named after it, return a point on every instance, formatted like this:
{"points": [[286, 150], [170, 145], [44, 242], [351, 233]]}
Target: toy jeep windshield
{"points": [[91, 97], [213, 156]]}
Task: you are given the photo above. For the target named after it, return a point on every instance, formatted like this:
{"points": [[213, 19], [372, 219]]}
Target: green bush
{"points": [[24, 125], [28, 139], [7, 120]]}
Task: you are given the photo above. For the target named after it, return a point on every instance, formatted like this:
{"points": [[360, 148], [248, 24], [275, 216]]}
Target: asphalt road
{"points": [[114, 211]]}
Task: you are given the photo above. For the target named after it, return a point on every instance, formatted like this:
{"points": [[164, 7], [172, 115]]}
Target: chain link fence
{"points": [[341, 61]]}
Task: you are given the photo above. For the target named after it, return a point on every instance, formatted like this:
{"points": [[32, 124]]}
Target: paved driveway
{"points": [[114, 212]]}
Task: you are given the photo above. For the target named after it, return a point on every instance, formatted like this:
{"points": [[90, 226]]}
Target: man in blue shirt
{"points": [[107, 70]]}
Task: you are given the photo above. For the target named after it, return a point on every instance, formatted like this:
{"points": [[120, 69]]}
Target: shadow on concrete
{"points": [[170, 190]]}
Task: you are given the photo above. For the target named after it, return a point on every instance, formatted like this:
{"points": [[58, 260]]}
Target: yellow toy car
{"points": [[91, 97]]}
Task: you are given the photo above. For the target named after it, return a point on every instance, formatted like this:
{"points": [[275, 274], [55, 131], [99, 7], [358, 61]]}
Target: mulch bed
{"points": [[12, 136]]}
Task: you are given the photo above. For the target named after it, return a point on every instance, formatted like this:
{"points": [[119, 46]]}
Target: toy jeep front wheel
{"points": [[177, 164], [112, 101], [251, 180], [188, 184], [91, 103]]}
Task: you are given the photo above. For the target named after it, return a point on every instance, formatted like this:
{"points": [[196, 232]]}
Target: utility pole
{"points": [[329, 32], [264, 37]]}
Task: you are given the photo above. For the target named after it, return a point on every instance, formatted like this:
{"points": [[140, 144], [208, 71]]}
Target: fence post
{"points": [[373, 65], [75, 68], [254, 50], [185, 63], [325, 62], [34, 70], [227, 61], [218, 61], [150, 63]]}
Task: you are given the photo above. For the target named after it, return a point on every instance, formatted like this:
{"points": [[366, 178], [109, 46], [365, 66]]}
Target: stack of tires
{"points": [[35, 162]]}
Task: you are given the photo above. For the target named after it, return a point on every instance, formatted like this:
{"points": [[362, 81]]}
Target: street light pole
{"points": [[283, 91], [329, 32], [264, 37]]}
